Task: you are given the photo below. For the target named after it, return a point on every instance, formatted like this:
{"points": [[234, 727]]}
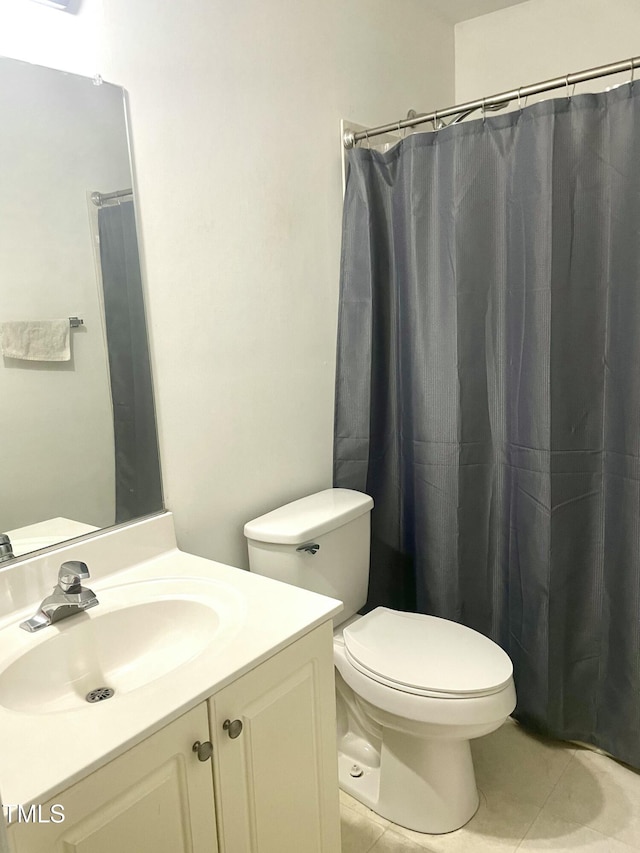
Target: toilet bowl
{"points": [[404, 725], [411, 690]]}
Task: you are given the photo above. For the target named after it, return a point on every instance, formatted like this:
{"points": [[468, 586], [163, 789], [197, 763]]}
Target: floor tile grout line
{"points": [[546, 800], [384, 829], [366, 817], [598, 772], [559, 779], [526, 832], [602, 835], [369, 821], [609, 837], [390, 828], [376, 841], [396, 829], [368, 813]]}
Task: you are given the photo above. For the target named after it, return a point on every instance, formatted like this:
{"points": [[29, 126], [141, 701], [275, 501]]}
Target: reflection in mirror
{"points": [[78, 444]]}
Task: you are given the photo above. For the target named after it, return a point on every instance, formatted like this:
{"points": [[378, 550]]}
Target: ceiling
{"points": [[460, 10]]}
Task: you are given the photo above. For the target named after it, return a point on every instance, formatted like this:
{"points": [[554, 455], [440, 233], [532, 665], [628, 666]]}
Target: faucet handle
{"points": [[71, 574]]}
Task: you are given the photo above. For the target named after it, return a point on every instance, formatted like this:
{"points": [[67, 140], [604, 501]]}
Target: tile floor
{"points": [[535, 794]]}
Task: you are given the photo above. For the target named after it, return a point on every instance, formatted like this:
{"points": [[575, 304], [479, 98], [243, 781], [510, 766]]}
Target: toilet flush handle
{"points": [[309, 548]]}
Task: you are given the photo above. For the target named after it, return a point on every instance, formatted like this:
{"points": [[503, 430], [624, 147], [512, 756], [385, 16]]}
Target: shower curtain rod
{"points": [[99, 198], [350, 138]]}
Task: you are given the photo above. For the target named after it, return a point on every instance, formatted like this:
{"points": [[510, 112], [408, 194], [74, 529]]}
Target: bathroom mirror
{"points": [[78, 444]]}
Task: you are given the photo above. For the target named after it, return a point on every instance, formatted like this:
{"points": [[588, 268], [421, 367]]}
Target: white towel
{"points": [[36, 340]]}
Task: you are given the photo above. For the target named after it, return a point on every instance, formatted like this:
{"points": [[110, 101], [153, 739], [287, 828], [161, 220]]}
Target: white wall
{"points": [[541, 39], [235, 114]]}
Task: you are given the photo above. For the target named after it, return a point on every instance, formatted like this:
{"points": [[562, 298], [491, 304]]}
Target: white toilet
{"points": [[411, 690]]}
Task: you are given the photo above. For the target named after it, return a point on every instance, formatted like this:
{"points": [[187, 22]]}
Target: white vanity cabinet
{"points": [[156, 797], [274, 760], [273, 769]]}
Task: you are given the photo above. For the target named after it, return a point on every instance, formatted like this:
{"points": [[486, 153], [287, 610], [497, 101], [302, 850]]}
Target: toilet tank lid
{"points": [[309, 517]]}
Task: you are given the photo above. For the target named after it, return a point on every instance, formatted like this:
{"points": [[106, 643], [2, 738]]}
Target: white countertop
{"points": [[42, 754], [43, 534]]}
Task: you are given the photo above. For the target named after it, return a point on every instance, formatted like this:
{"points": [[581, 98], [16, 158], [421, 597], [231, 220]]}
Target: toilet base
{"points": [[424, 784]]}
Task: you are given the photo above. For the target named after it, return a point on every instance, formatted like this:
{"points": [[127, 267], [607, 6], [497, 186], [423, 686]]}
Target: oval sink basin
{"points": [[138, 633]]}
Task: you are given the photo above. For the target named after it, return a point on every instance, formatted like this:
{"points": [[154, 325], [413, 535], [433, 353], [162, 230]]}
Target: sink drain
{"points": [[99, 694]]}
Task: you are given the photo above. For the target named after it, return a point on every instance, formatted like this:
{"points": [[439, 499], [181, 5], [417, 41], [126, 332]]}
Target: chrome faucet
{"points": [[6, 550], [68, 597]]}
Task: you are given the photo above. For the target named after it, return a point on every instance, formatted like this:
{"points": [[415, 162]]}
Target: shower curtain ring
{"points": [[484, 112], [632, 72], [366, 137], [519, 99], [566, 83], [434, 121]]}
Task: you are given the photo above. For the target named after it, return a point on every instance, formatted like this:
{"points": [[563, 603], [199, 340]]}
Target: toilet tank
{"points": [[337, 522]]}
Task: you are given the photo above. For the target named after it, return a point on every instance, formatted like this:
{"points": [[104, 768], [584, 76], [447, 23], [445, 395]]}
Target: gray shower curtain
{"points": [[137, 466], [488, 394]]}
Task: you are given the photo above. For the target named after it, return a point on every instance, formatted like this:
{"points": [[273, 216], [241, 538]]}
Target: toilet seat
{"points": [[426, 655]]}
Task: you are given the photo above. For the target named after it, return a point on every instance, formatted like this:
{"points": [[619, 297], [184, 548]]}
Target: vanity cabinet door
{"points": [[156, 798], [275, 759]]}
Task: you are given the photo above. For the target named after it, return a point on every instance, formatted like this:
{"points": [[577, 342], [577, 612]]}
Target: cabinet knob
{"points": [[204, 751], [232, 727]]}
